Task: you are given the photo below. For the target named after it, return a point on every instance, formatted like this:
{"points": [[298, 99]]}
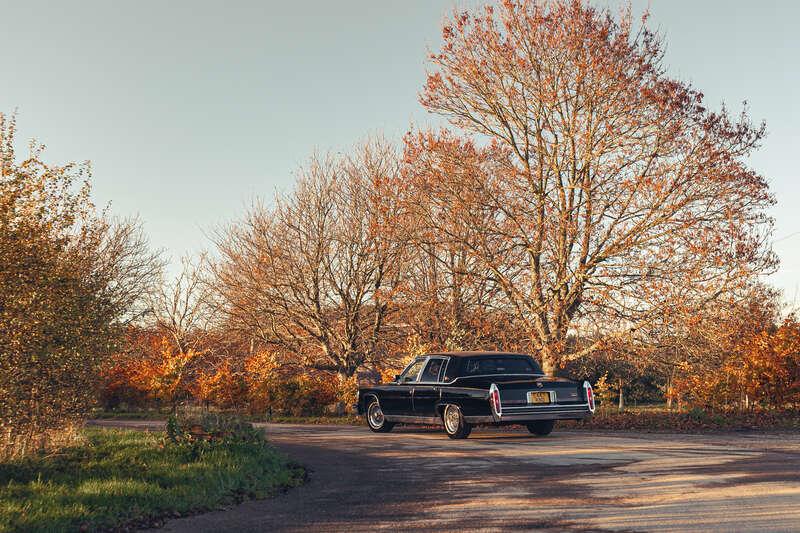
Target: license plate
{"points": [[538, 397]]}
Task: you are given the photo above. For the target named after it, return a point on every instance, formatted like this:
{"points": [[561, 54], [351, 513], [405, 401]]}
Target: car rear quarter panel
{"points": [[364, 393], [471, 400]]}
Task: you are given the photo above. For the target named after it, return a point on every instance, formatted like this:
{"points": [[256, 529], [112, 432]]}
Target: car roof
{"points": [[477, 353]]}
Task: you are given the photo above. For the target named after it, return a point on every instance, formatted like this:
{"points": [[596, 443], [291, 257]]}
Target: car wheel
{"points": [[375, 419], [454, 423], [542, 427]]}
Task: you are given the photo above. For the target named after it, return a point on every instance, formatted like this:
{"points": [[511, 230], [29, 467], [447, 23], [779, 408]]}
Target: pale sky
{"points": [[189, 110]]}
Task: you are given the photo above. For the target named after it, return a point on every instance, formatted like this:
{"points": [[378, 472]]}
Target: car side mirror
{"points": [[397, 378]]}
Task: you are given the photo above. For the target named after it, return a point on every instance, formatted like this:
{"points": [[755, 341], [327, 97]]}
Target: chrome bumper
{"points": [[531, 414]]}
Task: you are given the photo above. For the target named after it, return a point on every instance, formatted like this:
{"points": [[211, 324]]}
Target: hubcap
{"points": [[375, 415], [451, 419]]}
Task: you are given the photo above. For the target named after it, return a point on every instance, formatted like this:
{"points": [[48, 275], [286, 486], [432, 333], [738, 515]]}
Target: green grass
{"points": [[351, 420], [129, 415], [123, 477], [347, 420]]}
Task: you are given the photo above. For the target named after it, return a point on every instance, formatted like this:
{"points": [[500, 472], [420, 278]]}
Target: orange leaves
{"points": [[760, 368], [596, 189], [155, 369], [277, 389], [315, 275], [220, 386], [768, 366]]}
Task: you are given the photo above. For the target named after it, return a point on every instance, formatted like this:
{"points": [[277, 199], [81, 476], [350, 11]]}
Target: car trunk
{"points": [[514, 391], [544, 391]]}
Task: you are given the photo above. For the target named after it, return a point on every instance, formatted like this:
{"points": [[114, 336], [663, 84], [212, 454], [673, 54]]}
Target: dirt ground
{"points": [[414, 479]]}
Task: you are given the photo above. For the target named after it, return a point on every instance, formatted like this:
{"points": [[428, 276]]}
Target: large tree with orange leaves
{"points": [[600, 192]]}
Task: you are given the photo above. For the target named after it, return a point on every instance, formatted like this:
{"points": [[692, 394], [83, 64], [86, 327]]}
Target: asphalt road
{"points": [[498, 480]]}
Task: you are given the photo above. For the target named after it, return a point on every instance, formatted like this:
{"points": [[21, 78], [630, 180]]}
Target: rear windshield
{"points": [[474, 366]]}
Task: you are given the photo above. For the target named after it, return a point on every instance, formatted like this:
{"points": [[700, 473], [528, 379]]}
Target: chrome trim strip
{"points": [[460, 377], [414, 419], [529, 417], [490, 376], [551, 406]]}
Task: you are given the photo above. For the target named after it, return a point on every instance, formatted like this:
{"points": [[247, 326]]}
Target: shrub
{"points": [[211, 427], [68, 278]]}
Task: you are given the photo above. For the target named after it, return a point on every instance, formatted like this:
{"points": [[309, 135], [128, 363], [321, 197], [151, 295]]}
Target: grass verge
{"points": [[694, 420], [347, 420], [123, 478], [129, 415]]}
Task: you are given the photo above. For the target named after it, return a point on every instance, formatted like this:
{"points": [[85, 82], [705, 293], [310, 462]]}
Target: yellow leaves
{"points": [[761, 367], [56, 321], [603, 390]]}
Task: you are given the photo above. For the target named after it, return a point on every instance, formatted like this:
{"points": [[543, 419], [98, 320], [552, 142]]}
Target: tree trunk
{"points": [[621, 397], [549, 360], [548, 367], [669, 392]]}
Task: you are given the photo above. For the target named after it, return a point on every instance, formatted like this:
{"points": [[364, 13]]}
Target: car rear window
{"points": [[474, 366]]}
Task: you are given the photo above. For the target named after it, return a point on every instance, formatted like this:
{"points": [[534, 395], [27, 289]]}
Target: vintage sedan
{"points": [[459, 390]]}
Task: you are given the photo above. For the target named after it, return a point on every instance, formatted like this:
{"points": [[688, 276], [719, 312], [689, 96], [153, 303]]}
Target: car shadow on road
{"points": [[483, 434]]}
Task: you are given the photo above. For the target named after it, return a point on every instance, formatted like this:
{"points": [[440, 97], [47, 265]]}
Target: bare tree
{"points": [[181, 309], [315, 275], [128, 269], [449, 300]]}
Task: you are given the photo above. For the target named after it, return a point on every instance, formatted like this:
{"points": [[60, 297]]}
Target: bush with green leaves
{"points": [[214, 427]]}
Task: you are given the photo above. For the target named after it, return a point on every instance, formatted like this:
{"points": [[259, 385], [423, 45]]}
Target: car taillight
{"points": [[494, 398], [589, 395]]}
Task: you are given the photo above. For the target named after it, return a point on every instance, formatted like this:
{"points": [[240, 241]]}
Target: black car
{"points": [[461, 389]]}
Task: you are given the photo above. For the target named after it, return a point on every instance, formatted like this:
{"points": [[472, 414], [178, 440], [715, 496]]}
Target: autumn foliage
{"points": [[762, 369], [69, 278], [599, 192], [580, 204], [160, 375]]}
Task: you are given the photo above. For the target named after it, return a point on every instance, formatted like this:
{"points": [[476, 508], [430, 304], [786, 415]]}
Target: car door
{"points": [[396, 397], [426, 391]]}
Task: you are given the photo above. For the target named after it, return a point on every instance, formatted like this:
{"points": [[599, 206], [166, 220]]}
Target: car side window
{"points": [[411, 373], [498, 365], [431, 372], [451, 370]]}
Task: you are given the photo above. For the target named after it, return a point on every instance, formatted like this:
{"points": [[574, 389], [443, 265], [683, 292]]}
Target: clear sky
{"points": [[189, 110]]}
